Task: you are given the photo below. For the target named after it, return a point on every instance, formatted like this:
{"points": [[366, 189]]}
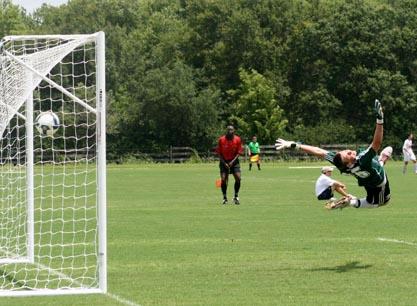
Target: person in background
{"points": [[325, 186], [408, 154], [254, 153], [229, 149]]}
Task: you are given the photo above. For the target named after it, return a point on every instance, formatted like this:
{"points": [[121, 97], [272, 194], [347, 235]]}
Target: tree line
{"points": [[179, 71]]}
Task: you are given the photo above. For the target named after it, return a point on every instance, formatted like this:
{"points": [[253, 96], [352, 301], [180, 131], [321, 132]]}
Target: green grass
{"points": [[171, 242]]}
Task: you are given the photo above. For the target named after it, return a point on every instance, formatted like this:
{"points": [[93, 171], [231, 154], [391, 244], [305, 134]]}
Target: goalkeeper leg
{"points": [[376, 197]]}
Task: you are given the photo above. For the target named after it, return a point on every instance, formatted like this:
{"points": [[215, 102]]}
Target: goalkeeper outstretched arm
{"points": [[312, 150], [379, 129], [319, 152]]}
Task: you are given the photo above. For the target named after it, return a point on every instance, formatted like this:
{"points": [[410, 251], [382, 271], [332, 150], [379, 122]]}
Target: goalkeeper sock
{"points": [[363, 203]]}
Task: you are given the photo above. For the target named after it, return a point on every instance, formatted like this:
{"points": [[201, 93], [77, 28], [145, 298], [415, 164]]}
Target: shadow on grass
{"points": [[349, 266]]}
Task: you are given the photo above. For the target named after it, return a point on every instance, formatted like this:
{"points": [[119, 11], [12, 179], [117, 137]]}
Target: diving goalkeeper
{"points": [[365, 166]]}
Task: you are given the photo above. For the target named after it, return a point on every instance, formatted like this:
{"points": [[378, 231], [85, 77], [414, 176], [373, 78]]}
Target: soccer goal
{"points": [[52, 172]]}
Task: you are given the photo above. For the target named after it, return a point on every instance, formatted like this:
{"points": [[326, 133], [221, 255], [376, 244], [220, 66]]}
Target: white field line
{"points": [[129, 303], [64, 276], [121, 300], [397, 241], [305, 167], [110, 295]]}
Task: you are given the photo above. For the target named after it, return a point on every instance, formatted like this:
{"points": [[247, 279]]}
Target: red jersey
{"points": [[228, 149]]}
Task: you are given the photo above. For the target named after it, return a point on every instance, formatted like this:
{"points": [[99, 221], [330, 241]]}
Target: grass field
{"points": [[171, 242]]}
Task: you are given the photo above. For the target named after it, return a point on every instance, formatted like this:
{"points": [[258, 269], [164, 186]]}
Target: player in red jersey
{"points": [[229, 148]]}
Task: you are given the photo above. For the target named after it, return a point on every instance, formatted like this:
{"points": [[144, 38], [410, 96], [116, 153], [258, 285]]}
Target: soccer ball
{"points": [[47, 123]]}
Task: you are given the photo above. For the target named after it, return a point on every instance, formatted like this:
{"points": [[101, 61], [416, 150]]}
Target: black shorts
{"points": [[235, 168], [378, 195], [327, 194]]}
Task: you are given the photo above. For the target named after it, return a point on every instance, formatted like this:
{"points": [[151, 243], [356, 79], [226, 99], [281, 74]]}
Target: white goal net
{"points": [[52, 176]]}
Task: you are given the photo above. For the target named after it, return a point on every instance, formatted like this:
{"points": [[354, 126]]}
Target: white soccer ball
{"points": [[47, 123]]}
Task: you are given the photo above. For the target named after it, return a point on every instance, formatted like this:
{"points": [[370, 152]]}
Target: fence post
{"points": [[170, 154]]}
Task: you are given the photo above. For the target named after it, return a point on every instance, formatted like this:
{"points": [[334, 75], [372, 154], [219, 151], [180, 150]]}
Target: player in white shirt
{"points": [[408, 153], [325, 185]]}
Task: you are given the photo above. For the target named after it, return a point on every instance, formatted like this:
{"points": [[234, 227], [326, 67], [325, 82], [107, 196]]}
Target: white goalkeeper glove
{"points": [[379, 112], [282, 144]]}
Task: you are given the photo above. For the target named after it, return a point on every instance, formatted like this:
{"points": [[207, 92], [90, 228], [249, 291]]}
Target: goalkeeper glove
{"points": [[379, 113], [281, 144]]}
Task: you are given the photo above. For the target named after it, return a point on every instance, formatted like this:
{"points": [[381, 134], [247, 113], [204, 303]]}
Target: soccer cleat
{"points": [[387, 151], [225, 201], [341, 203], [386, 154], [330, 203], [236, 200]]}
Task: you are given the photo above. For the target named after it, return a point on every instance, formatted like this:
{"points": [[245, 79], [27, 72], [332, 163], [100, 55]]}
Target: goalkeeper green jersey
{"points": [[366, 169], [254, 147]]}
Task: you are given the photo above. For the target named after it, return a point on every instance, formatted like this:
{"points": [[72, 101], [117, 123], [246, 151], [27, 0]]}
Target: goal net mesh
{"points": [[54, 245]]}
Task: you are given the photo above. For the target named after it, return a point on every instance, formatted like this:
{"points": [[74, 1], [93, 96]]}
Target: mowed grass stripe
{"points": [[171, 242], [279, 246]]}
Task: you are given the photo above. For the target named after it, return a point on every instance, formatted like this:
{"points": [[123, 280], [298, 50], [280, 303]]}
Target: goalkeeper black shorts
{"points": [[378, 195]]}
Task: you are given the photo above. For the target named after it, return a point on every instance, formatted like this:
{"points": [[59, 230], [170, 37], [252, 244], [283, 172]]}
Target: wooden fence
{"points": [[268, 153], [188, 154]]}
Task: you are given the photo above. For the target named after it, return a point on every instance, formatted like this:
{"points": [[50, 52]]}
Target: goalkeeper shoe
{"points": [[386, 154], [341, 203], [236, 200]]}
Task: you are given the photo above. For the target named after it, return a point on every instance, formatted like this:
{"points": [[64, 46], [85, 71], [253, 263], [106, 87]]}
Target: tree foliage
{"points": [[256, 110], [13, 19], [179, 71]]}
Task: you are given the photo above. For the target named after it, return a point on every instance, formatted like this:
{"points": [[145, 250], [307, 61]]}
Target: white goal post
{"points": [[53, 186]]}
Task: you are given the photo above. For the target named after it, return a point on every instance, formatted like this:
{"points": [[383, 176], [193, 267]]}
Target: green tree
{"points": [[256, 111], [162, 101], [324, 61], [12, 19], [170, 110]]}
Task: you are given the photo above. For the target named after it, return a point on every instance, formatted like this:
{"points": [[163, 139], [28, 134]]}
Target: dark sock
{"points": [[224, 189], [259, 167], [237, 187], [250, 167]]}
